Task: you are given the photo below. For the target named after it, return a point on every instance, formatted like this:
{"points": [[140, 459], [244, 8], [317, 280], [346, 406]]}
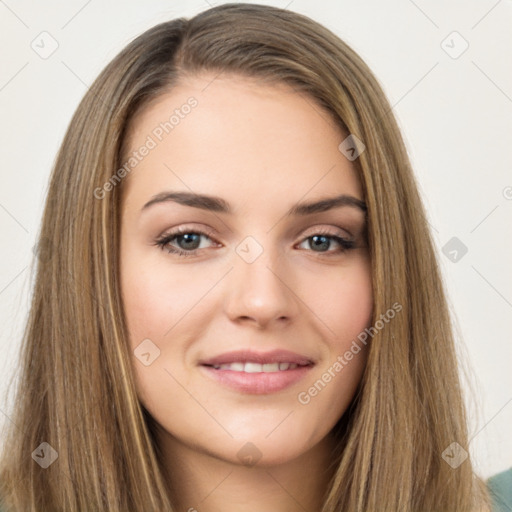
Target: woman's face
{"points": [[234, 341]]}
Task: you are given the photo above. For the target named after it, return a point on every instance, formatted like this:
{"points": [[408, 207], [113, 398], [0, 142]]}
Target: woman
{"points": [[236, 290]]}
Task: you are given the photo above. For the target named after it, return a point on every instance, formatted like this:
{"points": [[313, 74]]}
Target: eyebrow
{"points": [[219, 205]]}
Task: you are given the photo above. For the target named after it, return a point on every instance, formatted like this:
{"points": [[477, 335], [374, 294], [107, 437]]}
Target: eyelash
{"points": [[164, 241]]}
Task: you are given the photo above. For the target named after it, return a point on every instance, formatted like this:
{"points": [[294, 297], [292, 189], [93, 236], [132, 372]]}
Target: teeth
{"points": [[253, 368], [256, 367]]}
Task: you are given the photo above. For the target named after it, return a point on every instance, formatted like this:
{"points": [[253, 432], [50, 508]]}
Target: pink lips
{"points": [[258, 382], [274, 356]]}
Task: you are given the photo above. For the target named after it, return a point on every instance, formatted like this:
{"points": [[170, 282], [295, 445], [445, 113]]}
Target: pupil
{"points": [[323, 244], [188, 239]]}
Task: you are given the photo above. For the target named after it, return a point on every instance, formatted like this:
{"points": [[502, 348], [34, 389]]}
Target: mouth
{"points": [[252, 367], [257, 373]]}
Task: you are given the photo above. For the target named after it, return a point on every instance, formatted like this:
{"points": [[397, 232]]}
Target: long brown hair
{"points": [[76, 391]]}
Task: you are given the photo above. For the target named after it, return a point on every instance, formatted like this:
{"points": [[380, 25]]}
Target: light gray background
{"points": [[455, 114]]}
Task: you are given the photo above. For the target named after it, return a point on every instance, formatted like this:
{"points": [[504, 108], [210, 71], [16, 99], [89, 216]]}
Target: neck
{"points": [[206, 483]]}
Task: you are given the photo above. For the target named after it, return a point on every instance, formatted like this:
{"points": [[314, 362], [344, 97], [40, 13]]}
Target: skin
{"points": [[262, 148]]}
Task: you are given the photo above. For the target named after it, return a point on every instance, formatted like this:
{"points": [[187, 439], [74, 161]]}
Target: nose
{"points": [[261, 292]]}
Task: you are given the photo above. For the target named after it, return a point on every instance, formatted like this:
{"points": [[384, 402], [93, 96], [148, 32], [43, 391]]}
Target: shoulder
{"points": [[500, 489]]}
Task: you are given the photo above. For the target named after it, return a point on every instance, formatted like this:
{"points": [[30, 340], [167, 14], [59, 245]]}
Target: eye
{"points": [[186, 242], [322, 241]]}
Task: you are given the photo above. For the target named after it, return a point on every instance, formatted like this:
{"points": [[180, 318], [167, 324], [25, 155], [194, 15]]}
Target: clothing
{"points": [[500, 489]]}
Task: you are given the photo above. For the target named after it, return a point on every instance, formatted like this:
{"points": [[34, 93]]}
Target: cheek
{"points": [[325, 397], [143, 305], [343, 302], [344, 307], [154, 298]]}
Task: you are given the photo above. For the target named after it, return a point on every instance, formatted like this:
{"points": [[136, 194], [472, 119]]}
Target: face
{"points": [[239, 304]]}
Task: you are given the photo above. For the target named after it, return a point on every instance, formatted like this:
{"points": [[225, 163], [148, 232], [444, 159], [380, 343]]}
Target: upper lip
{"points": [[245, 356]]}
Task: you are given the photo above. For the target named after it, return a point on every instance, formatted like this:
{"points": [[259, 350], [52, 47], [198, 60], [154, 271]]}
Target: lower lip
{"points": [[259, 383]]}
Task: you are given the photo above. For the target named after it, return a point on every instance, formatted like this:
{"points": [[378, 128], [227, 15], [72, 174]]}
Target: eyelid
{"points": [[203, 230], [210, 233], [330, 230]]}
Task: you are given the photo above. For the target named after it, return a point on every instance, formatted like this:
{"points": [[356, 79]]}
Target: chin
{"points": [[262, 451]]}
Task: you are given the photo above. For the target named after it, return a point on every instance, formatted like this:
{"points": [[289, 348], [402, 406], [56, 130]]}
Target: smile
{"points": [[250, 367]]}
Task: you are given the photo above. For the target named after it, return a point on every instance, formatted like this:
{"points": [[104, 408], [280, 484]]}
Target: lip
{"points": [[273, 356], [258, 383]]}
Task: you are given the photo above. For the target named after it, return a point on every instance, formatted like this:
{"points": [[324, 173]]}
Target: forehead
{"points": [[238, 138]]}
